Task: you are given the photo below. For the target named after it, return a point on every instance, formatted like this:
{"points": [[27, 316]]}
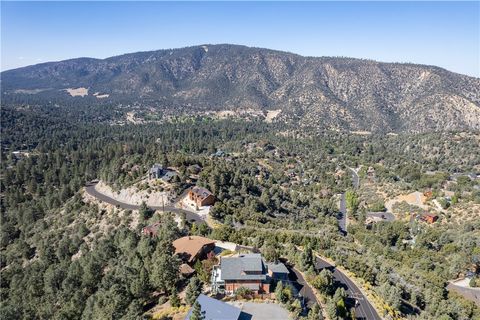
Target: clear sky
{"points": [[446, 34]]}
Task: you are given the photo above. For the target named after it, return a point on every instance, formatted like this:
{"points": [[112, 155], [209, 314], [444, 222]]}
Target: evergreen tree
{"points": [[194, 288], [174, 299], [324, 281], [280, 293], [165, 270], [197, 313], [306, 258], [315, 313]]}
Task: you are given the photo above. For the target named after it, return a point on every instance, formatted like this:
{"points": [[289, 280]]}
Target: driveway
{"points": [[342, 215], [302, 287], [462, 288], [386, 216], [364, 310], [260, 311], [190, 216]]}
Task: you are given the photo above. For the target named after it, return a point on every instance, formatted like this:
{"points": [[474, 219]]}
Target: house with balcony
{"points": [[201, 196], [246, 270]]}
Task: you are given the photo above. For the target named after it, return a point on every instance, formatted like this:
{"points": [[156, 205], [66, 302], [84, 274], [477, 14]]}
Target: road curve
{"points": [[303, 287], [364, 310], [472, 294], [190, 216]]}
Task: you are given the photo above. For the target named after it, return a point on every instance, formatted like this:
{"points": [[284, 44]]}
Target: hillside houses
{"points": [[157, 171], [192, 248], [277, 271], [246, 271], [428, 217], [151, 230], [201, 196]]}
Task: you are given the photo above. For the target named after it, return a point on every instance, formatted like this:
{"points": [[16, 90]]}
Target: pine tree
{"points": [[279, 294], [174, 299], [197, 313], [315, 313], [165, 270], [193, 290], [306, 259]]}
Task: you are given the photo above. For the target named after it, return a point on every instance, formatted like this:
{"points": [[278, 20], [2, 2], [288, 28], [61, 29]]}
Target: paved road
{"points": [[190, 216], [302, 286], [342, 215], [472, 294], [364, 309]]}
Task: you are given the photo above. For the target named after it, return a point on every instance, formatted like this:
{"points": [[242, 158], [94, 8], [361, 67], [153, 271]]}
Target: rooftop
{"points": [[277, 267], [243, 267], [169, 175], [156, 168], [153, 228], [190, 246], [201, 192], [186, 269]]}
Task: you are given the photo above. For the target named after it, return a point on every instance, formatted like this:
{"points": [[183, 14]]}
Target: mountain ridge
{"points": [[245, 46], [323, 92]]}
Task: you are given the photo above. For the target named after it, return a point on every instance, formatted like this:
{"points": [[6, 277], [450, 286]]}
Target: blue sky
{"points": [[446, 34]]}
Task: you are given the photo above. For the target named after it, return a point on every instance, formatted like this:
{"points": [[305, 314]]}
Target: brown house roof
{"points": [[151, 229], [185, 269], [202, 193], [188, 247]]}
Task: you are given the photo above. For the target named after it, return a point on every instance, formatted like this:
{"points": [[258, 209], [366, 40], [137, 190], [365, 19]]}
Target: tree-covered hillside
{"points": [[324, 92], [64, 256]]}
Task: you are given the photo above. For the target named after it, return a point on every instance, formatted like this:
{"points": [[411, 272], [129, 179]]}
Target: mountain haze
{"points": [[324, 92]]}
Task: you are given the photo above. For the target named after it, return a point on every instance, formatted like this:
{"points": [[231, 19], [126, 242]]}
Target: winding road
{"points": [[364, 309], [469, 293], [302, 286], [190, 216]]}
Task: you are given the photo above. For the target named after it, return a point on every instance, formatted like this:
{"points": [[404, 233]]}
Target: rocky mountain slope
{"points": [[325, 92]]}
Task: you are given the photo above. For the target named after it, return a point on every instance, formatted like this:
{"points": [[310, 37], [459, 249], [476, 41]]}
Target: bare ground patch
{"points": [[77, 92]]}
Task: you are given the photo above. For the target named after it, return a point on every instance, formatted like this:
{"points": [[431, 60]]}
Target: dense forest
{"points": [[63, 257]]}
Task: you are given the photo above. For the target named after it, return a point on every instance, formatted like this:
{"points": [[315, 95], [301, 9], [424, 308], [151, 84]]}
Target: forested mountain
{"points": [[325, 92]]}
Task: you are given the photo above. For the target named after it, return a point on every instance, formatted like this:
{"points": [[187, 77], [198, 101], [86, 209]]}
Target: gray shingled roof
{"points": [[169, 175], [277, 267], [213, 309], [239, 268]]}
